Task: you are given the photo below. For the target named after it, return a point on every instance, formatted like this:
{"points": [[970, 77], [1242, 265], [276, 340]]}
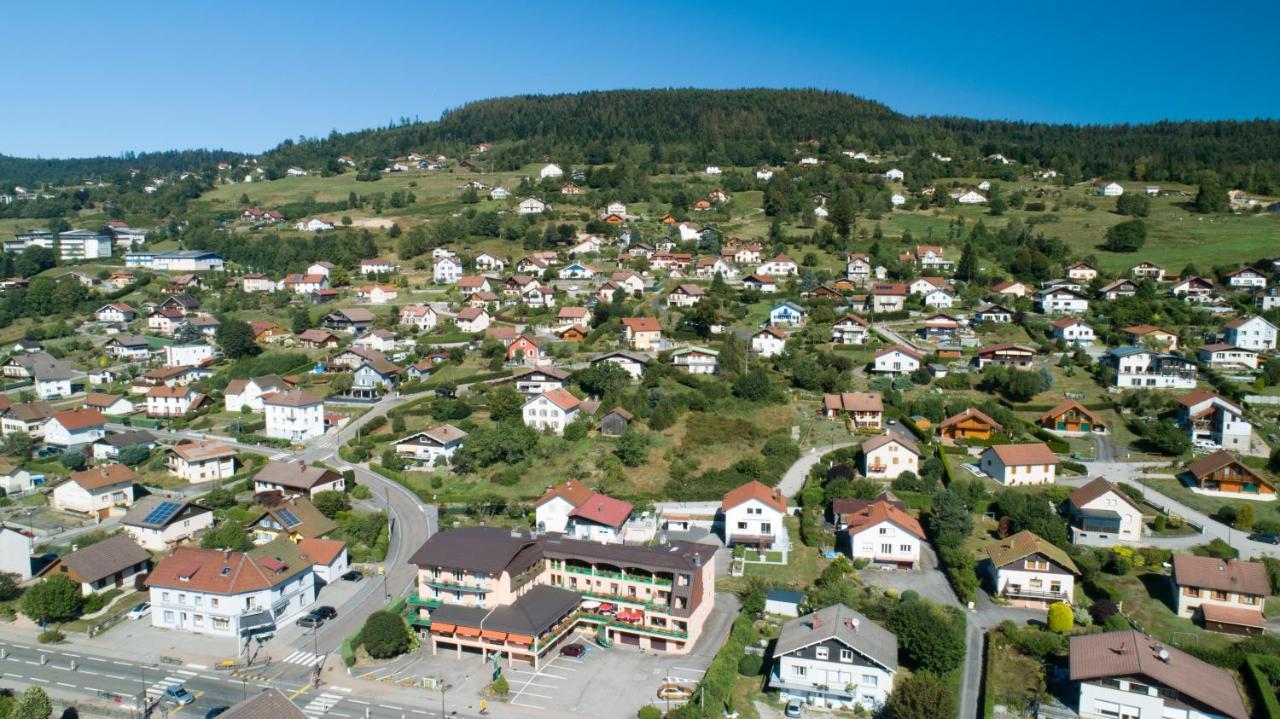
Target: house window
{"points": [[220, 623], [766, 528], [1248, 599], [1190, 591], [1219, 596], [168, 616], [904, 548], [886, 549], [870, 680], [1037, 565], [846, 655], [798, 670], [742, 525]]}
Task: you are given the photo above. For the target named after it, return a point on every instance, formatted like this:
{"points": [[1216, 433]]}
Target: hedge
{"points": [[716, 685], [1260, 680], [988, 696], [946, 467]]}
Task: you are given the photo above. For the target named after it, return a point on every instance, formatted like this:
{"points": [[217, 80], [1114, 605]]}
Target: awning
{"points": [[490, 634], [519, 639], [441, 627], [630, 615], [468, 632], [258, 621]]}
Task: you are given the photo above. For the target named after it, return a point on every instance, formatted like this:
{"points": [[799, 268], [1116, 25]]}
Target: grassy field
{"points": [[1175, 489], [1147, 602]]}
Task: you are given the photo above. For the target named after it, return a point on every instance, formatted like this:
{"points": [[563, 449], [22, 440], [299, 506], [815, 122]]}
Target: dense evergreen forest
{"points": [[748, 127], [32, 171]]}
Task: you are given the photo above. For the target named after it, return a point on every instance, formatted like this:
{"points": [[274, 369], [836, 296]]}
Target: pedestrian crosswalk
{"points": [[321, 704], [179, 676], [306, 659]]}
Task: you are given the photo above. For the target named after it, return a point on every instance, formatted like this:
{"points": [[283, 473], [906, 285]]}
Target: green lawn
{"points": [[1175, 489], [1147, 601]]}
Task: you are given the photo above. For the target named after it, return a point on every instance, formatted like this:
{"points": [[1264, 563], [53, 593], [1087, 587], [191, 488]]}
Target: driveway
{"points": [[793, 480], [928, 581]]}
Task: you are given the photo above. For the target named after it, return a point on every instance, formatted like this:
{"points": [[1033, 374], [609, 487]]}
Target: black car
{"points": [[1266, 537], [310, 621], [354, 575], [324, 612]]}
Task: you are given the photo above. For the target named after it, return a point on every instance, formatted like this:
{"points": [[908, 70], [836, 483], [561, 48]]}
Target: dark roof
{"points": [[844, 625], [128, 439], [485, 549], [105, 558], [1224, 575], [534, 612], [1129, 654], [1096, 488], [140, 514]]}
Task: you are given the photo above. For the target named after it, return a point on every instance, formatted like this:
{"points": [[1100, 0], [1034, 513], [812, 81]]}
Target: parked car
{"points": [[309, 622], [324, 612], [794, 708], [179, 695], [573, 650], [140, 611], [1266, 537], [1207, 445], [354, 575]]}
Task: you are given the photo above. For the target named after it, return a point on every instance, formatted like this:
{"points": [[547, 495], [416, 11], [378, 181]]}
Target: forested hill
{"points": [[745, 127], [30, 171]]}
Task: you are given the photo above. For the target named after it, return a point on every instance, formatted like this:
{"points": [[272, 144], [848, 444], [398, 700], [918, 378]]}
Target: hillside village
{"points": [[841, 434]]}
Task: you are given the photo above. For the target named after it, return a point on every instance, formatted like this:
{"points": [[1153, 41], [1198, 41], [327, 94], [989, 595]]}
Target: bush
{"points": [[360, 491], [1103, 610], [500, 685], [750, 665], [931, 637], [384, 635], [1060, 618], [649, 711], [50, 636]]}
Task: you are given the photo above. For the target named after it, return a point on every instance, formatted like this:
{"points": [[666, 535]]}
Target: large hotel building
{"points": [[492, 590]]}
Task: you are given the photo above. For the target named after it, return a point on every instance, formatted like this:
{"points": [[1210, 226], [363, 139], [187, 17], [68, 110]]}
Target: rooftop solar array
{"points": [[162, 513], [288, 517]]}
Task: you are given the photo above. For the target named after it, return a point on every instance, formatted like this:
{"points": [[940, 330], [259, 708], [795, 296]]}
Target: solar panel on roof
{"points": [[288, 517], [162, 513]]}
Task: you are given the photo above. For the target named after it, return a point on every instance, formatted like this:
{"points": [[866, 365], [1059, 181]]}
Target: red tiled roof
{"points": [[1024, 454], [573, 492], [881, 511], [73, 419], [754, 490], [604, 510]]}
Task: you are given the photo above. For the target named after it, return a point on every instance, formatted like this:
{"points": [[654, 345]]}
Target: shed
{"points": [[615, 422]]}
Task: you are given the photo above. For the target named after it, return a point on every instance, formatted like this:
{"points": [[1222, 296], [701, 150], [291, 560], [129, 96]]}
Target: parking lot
{"points": [[620, 678]]}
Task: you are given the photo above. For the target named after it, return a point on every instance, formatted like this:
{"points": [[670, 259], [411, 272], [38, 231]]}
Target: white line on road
{"points": [[38, 679], [90, 673], [64, 684], [197, 666]]}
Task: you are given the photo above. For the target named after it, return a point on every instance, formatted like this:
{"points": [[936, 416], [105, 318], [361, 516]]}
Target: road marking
{"points": [[343, 689], [522, 704], [86, 671], [122, 664], [117, 677], [388, 706], [197, 666], [69, 654], [183, 671], [357, 701], [64, 684], [540, 696], [38, 679]]}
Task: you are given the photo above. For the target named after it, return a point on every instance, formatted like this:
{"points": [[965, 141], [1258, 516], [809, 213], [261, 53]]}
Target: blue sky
{"points": [[101, 78]]}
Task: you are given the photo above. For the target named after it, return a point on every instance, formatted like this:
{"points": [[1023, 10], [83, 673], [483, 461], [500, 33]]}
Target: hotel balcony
{"points": [[620, 576], [452, 586]]}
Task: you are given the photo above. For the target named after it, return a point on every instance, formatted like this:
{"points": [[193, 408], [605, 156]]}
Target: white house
{"points": [[879, 531], [294, 415], [894, 175], [1139, 367], [1073, 331], [695, 360], [490, 262], [75, 428], [113, 563], [472, 319], [202, 461], [753, 516], [768, 342], [834, 659], [1112, 189], [421, 316], [431, 445], [164, 401], [16, 548], [1133, 675], [241, 393], [897, 360], [552, 411], [780, 266], [116, 313], [1100, 514], [532, 206], [377, 266], [939, 299], [1208, 417], [1015, 465], [158, 524], [187, 355], [96, 491], [315, 224], [1251, 333], [552, 170], [552, 509], [1220, 355], [787, 313], [850, 330], [971, 198], [889, 455], [1030, 572], [446, 271], [1246, 277], [231, 594], [1082, 271], [1062, 301], [713, 170]]}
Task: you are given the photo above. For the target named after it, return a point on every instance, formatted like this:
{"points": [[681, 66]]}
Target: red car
{"points": [[573, 650]]}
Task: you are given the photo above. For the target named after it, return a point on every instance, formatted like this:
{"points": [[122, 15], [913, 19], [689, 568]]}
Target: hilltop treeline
{"points": [[759, 126], [32, 171]]}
